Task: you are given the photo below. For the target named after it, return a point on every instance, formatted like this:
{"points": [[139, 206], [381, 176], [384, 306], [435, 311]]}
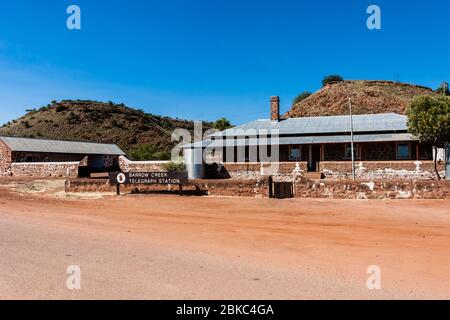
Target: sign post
{"points": [[447, 162], [149, 178], [352, 145]]}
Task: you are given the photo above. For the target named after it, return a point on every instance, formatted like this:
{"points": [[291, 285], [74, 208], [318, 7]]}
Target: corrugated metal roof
{"points": [[311, 130], [321, 125], [57, 146], [304, 140]]}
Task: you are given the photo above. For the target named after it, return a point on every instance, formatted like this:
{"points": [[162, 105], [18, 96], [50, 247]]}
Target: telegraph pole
{"points": [[352, 140]]}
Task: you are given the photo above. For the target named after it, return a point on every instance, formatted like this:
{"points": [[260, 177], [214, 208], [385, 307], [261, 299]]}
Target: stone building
{"points": [[322, 145], [43, 158]]}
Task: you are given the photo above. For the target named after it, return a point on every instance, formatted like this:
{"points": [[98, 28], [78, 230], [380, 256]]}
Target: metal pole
{"points": [[270, 187], [447, 162], [352, 141]]}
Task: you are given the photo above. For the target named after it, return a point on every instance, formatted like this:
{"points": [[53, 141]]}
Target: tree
{"points": [[302, 96], [222, 124], [332, 78], [429, 121], [443, 89], [148, 152]]}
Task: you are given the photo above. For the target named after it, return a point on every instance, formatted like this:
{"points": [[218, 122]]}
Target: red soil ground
{"points": [[170, 247]]}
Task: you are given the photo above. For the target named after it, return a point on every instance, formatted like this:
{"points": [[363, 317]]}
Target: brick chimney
{"points": [[275, 108]]}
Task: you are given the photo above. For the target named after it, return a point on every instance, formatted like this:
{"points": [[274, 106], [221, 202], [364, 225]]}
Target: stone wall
{"points": [[127, 165], [45, 169], [5, 160], [244, 188], [348, 189], [279, 170], [381, 169], [304, 188]]}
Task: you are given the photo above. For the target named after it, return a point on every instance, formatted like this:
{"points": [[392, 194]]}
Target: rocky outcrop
{"points": [[368, 97]]}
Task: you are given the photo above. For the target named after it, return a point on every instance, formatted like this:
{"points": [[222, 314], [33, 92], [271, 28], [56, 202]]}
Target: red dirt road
{"points": [[167, 247]]}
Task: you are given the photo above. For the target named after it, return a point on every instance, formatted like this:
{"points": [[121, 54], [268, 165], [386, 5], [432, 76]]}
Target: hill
{"points": [[94, 121], [367, 97]]}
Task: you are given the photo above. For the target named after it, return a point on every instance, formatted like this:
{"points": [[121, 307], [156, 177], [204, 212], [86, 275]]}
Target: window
{"points": [[403, 151], [348, 151], [294, 153]]}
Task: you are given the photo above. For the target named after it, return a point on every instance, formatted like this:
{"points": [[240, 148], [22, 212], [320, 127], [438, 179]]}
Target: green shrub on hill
{"points": [[148, 152]]}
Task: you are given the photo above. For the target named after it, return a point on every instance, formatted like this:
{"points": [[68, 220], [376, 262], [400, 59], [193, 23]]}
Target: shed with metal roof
{"points": [[58, 146]]}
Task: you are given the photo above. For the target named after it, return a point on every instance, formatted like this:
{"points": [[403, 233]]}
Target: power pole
{"points": [[352, 140]]}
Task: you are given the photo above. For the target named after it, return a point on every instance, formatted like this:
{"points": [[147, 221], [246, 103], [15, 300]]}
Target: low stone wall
{"points": [[244, 188], [423, 170], [279, 170], [304, 188], [347, 189], [45, 169], [127, 165]]}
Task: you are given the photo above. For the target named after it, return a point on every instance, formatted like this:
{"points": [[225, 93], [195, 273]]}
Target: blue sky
{"points": [[204, 59]]}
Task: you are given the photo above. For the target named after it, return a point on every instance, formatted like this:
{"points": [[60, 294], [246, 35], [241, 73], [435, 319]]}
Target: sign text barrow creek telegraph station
{"points": [[171, 177]]}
